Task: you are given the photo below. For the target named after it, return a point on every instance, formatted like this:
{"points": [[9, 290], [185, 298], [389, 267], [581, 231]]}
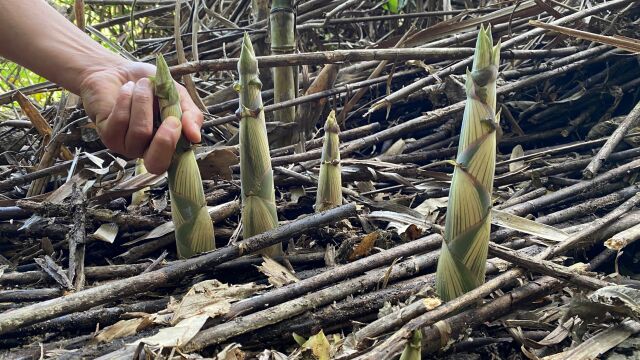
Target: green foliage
{"points": [[394, 6]]}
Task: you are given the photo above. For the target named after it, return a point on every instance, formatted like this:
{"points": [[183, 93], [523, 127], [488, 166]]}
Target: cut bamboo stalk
{"points": [[256, 175], [283, 41], [329, 193], [461, 266], [194, 228]]}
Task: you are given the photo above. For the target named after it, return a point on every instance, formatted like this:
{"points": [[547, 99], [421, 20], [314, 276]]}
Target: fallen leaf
{"points": [[431, 207], [517, 152], [107, 232], [317, 344], [177, 335], [54, 270], [231, 352], [277, 274], [527, 226], [364, 246], [216, 164], [396, 148], [211, 298], [122, 329]]}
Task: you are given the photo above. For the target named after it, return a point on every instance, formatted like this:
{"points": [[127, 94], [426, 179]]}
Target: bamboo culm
{"points": [[285, 84], [193, 225]]}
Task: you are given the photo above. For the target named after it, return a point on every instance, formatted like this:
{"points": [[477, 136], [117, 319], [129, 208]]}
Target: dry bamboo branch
{"points": [[344, 56], [629, 122]]}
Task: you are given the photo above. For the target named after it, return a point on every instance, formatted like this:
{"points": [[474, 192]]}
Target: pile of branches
{"points": [[87, 273]]}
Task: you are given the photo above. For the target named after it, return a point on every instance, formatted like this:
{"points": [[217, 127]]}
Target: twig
{"points": [[629, 122]]}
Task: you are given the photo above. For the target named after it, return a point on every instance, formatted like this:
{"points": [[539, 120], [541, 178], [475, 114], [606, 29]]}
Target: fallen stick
{"points": [[629, 122], [340, 56], [89, 298]]}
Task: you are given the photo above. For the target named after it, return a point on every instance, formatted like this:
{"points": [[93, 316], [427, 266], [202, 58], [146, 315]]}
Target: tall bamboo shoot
{"points": [[461, 266], [256, 176], [193, 225]]}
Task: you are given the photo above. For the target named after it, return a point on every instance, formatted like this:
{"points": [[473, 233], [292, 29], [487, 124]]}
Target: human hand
{"points": [[120, 101]]}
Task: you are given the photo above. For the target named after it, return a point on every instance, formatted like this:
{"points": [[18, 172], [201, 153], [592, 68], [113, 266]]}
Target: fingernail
{"points": [[144, 83], [173, 122], [128, 86]]}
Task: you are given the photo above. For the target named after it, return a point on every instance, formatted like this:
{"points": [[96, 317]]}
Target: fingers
{"points": [[158, 156], [114, 128], [192, 117], [140, 129]]}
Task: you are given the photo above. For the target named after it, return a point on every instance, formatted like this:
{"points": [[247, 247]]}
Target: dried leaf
{"points": [[277, 274], [231, 352], [431, 207], [364, 246], [527, 226], [601, 342], [216, 164], [169, 227], [107, 232], [318, 345], [517, 152], [396, 148], [122, 329], [211, 298], [401, 222], [55, 271], [179, 334], [615, 300]]}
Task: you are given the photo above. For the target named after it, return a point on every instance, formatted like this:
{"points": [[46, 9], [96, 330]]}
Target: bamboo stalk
{"points": [[461, 266], [194, 228], [329, 193], [285, 87], [256, 175]]}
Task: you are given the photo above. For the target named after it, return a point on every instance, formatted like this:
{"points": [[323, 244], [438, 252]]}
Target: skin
{"points": [[116, 93]]}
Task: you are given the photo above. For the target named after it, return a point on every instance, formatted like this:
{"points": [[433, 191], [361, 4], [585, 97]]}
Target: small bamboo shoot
{"points": [[194, 228], [462, 263], [330, 180], [256, 175]]}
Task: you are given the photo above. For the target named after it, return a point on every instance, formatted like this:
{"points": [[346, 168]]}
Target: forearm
{"points": [[36, 36]]}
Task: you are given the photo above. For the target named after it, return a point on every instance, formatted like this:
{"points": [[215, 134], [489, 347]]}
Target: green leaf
{"points": [[394, 6]]}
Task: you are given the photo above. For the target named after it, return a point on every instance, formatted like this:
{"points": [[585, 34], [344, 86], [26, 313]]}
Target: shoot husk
{"points": [[193, 225], [256, 175], [462, 263], [329, 193]]}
